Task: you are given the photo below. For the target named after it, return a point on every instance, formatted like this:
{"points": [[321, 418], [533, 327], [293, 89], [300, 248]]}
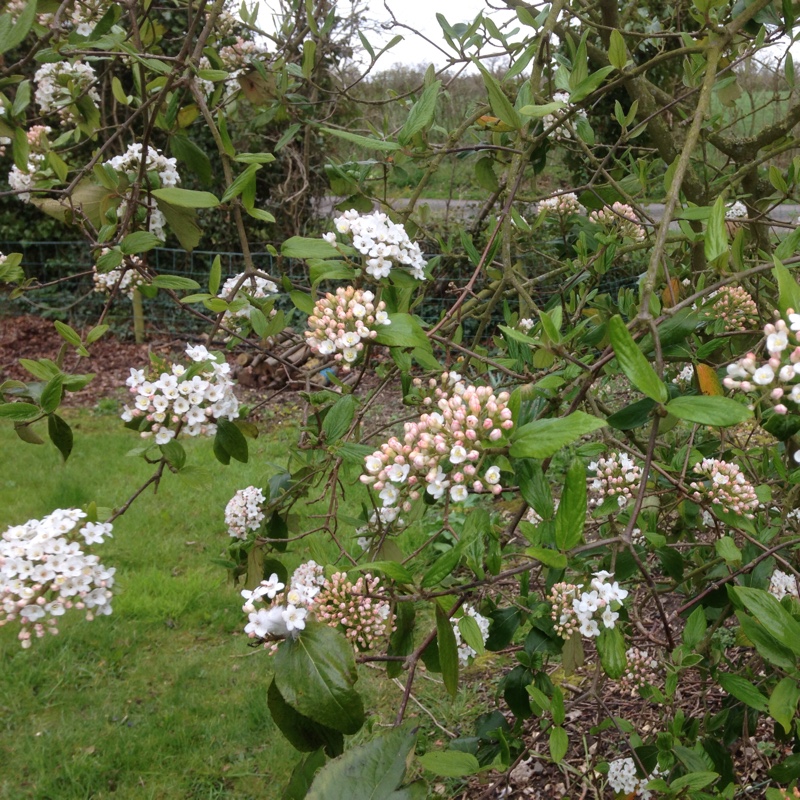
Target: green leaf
{"points": [[371, 771], [788, 289], [215, 276], [185, 198], [303, 247], [742, 689], [363, 141], [96, 333], [611, 649], [720, 412], [303, 776], [52, 394], [571, 514], [339, 418], [766, 644], [771, 614], [188, 153], [302, 301], [471, 633], [397, 572], [183, 223], [60, 435], [695, 628], [716, 238], [559, 743], [441, 568], [139, 242], [231, 440], [302, 732], [633, 416], [617, 53], [450, 763], [404, 331], [174, 453], [589, 85], [726, 549], [543, 438], [68, 334], [13, 35], [19, 412], [241, 182], [501, 105], [543, 110], [448, 651], [783, 702], [633, 362], [693, 781], [421, 115], [548, 557], [174, 282], [315, 674]]}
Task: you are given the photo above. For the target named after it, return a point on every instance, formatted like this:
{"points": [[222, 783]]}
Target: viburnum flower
{"points": [[124, 280], [254, 287], [575, 610], [735, 307], [642, 669], [622, 779], [59, 84], [737, 210], [244, 512], [45, 572], [172, 401], [563, 205], [342, 323], [443, 449], [725, 485], [685, 377], [160, 172], [782, 584], [465, 652], [621, 220], [563, 126], [616, 475], [384, 244], [23, 181], [351, 607]]}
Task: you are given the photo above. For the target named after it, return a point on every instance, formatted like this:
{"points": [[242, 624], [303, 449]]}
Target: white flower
{"points": [[492, 475], [764, 375], [398, 473], [295, 618], [458, 454], [458, 493], [373, 464], [388, 494]]}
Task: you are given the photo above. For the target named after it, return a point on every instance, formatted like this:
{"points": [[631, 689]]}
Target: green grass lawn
{"points": [[163, 699]]}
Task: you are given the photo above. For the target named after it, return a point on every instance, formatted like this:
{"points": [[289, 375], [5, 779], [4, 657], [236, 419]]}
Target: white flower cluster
{"points": [[782, 584], [340, 323], [44, 572], [244, 512], [685, 377], [642, 669], [562, 129], [383, 243], [237, 318], [465, 652], [160, 172], [175, 402], [616, 476], [573, 611], [22, 180], [623, 780], [125, 281], [59, 84], [621, 220], [379, 520], [737, 210], [563, 205], [526, 324]]}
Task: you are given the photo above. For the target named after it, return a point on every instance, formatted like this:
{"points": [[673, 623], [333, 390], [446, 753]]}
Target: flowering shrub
{"points": [[563, 205], [244, 512], [253, 287], [45, 572], [616, 476], [725, 485], [59, 85], [123, 281], [574, 610]]}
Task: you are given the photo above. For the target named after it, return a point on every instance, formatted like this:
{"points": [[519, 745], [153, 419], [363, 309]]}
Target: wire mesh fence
{"points": [[67, 268]]}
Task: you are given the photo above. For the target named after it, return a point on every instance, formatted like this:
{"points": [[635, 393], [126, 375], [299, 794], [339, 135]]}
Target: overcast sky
{"points": [[421, 16]]}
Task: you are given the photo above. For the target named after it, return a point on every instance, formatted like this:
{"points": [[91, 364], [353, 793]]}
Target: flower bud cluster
{"points": [[123, 281], [59, 84], [383, 243], [642, 669], [562, 129], [735, 307], [160, 172], [465, 652], [453, 438], [623, 780], [238, 318], [574, 610], [782, 584], [353, 608], [186, 399], [244, 512], [774, 375], [341, 323], [337, 603], [615, 476], [563, 205], [621, 220], [726, 485], [44, 572], [737, 210]]}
